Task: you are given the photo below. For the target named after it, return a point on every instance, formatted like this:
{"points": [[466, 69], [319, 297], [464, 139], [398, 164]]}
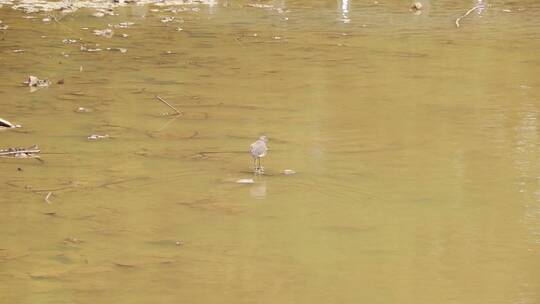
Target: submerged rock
{"points": [[167, 19], [85, 49], [257, 5], [107, 33], [123, 24]]}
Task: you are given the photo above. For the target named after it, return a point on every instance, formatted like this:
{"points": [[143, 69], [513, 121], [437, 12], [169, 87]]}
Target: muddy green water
{"points": [[416, 147]]}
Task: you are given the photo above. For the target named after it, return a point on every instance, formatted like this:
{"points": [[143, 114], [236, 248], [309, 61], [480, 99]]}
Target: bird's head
{"points": [[263, 138]]}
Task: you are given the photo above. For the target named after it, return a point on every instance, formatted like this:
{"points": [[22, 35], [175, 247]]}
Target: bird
{"points": [[258, 149]]}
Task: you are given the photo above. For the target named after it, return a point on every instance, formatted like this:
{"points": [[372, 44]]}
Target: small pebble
{"points": [[121, 50], [289, 172], [96, 137], [416, 6], [245, 181], [167, 19], [69, 41]]}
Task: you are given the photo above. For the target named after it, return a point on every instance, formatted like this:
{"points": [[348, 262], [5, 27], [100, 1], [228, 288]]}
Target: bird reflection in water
{"points": [[258, 190]]}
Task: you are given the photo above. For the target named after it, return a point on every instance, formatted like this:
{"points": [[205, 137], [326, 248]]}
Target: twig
{"points": [[467, 13], [194, 135], [47, 198], [58, 21], [162, 100]]}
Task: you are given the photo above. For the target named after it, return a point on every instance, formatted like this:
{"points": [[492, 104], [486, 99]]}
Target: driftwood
{"points": [[29, 152]]}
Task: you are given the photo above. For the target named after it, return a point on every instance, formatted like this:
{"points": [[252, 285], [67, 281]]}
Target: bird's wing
{"points": [[259, 149]]}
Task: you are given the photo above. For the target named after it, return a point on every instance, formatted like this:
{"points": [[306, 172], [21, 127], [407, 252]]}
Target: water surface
{"points": [[416, 147]]}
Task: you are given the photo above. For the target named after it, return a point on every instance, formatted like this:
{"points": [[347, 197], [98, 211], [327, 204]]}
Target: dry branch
{"points": [[170, 106], [467, 13]]}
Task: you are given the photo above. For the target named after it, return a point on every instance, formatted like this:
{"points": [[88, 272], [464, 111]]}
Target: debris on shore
{"points": [[102, 12], [102, 7]]}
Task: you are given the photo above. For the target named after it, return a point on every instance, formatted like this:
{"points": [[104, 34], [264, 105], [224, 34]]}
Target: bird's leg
{"points": [[261, 170], [257, 162], [255, 165]]}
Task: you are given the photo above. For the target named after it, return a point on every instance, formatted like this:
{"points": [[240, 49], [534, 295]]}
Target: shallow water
{"points": [[416, 147]]}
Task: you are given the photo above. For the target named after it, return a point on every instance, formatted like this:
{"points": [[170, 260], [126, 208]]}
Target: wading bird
{"points": [[258, 150]]}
